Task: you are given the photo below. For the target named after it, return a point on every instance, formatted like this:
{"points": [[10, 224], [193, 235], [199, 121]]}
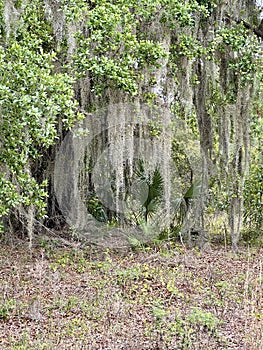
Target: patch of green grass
{"points": [[7, 308]]}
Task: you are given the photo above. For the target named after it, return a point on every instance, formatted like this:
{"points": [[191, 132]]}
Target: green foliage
{"points": [[242, 48], [34, 100], [235, 42], [115, 48], [254, 197], [183, 204], [6, 308], [189, 46], [204, 320], [119, 46], [253, 189], [113, 52], [183, 13], [97, 210], [151, 189], [185, 327]]}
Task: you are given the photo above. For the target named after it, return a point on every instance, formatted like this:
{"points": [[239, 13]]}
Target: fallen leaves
{"points": [[170, 298]]}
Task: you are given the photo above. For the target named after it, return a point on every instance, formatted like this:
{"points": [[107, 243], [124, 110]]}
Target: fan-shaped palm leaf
{"points": [[183, 204], [151, 189]]}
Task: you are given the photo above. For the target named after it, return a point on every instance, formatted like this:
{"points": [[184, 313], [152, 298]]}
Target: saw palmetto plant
{"points": [[150, 190], [183, 204]]}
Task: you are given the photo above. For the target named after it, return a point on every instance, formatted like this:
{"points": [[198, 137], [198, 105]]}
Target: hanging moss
{"points": [[194, 62]]}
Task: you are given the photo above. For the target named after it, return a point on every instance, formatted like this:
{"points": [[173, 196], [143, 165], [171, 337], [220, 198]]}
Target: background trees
{"points": [[200, 59]]}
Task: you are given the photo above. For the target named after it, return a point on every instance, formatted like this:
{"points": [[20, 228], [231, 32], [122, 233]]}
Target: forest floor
{"points": [[165, 297]]}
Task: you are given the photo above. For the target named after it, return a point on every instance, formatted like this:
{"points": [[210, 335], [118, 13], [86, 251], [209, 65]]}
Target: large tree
{"points": [[199, 59]]}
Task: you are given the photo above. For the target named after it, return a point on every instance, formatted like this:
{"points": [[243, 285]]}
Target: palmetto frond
{"points": [[151, 189], [182, 204]]}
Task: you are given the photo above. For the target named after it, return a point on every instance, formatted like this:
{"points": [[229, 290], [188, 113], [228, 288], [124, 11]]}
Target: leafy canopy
{"points": [[34, 100]]}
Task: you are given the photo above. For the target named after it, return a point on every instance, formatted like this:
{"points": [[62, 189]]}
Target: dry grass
{"points": [[159, 298]]}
